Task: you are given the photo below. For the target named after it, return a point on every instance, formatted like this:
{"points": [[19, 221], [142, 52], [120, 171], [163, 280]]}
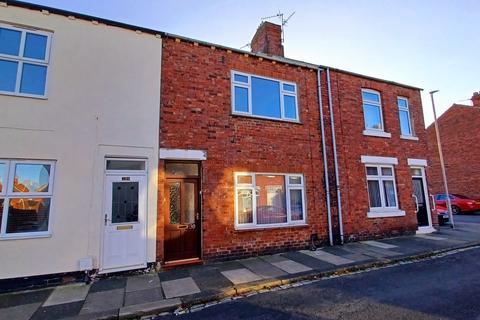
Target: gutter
{"points": [[335, 158], [325, 162]]}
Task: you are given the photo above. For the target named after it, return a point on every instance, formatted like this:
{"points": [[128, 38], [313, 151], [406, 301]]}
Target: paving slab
{"points": [[209, 279], [143, 296], [242, 275], [291, 267], [327, 257], [262, 268], [142, 282], [148, 308], [379, 244], [429, 237], [8, 300], [179, 287], [273, 258], [19, 312], [108, 284], [58, 311], [67, 294], [103, 301], [307, 261], [370, 251], [173, 274]]}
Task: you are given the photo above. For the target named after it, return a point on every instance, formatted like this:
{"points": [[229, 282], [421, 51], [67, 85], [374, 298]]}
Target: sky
{"points": [[431, 44]]}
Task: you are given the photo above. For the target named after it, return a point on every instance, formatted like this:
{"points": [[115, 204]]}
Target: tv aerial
{"points": [[282, 18]]}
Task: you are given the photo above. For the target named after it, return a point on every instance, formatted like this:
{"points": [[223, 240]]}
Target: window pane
{"points": [[240, 78], [389, 194], [405, 123], [295, 180], [416, 172], [181, 169], [28, 215], [296, 205], [31, 177], [10, 41], [402, 103], [290, 107], [35, 46], [387, 171], [372, 171], [3, 177], [244, 180], [245, 206], [125, 165], [271, 206], [241, 99], [265, 98], [372, 115], [8, 75], [124, 202], [374, 194], [33, 79], [288, 87], [370, 96]]}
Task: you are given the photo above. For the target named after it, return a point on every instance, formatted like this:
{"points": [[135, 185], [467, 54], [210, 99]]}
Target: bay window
{"points": [[263, 200]]}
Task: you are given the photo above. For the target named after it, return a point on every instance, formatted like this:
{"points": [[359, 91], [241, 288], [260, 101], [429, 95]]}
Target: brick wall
{"points": [[459, 131], [196, 114]]}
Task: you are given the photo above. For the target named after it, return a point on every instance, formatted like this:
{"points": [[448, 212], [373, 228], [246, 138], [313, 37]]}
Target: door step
{"points": [[183, 262]]}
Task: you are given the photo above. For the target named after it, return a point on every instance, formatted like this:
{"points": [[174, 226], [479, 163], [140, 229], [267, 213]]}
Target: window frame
{"points": [[7, 195], [252, 187], [407, 110], [377, 104], [21, 60], [248, 86], [383, 211]]}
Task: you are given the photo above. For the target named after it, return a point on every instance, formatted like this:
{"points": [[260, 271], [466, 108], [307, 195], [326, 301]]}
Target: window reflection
{"points": [[31, 178], [28, 215]]}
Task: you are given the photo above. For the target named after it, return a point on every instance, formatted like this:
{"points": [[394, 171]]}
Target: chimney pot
{"points": [[268, 39], [476, 99]]}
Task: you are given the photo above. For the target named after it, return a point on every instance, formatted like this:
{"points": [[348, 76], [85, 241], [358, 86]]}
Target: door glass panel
{"points": [[174, 203], [28, 215], [188, 199], [418, 190], [181, 169], [416, 172], [125, 165], [124, 202], [31, 178]]}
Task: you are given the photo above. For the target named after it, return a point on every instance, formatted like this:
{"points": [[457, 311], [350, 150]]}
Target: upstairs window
{"points": [[263, 97], [372, 110], [24, 57], [404, 115]]}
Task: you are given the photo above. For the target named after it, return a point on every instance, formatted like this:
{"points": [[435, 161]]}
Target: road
{"points": [[441, 288]]}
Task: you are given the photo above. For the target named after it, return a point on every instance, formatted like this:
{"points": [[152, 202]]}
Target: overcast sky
{"points": [[432, 44]]}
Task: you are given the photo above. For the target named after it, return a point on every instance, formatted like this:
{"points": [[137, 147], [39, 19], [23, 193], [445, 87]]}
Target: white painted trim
{"points": [[379, 160], [182, 154], [377, 133], [385, 214], [409, 138], [417, 162]]}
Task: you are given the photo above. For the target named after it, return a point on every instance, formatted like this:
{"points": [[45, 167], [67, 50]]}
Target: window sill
{"points": [[385, 214], [25, 236], [260, 228], [244, 115], [22, 95], [409, 138], [375, 133]]}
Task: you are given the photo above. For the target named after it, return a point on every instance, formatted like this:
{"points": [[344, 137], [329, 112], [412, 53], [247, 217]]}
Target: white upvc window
{"points": [[264, 97], [265, 200], [406, 129], [372, 114], [382, 191], [24, 60], [26, 190]]}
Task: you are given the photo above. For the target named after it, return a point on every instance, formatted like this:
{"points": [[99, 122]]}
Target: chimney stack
{"points": [[476, 99], [268, 39]]}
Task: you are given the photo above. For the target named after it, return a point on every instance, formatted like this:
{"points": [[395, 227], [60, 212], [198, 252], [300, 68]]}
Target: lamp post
{"points": [[442, 163]]}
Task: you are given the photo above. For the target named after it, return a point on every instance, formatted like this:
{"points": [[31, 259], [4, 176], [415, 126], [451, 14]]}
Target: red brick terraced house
{"points": [[459, 130], [249, 164]]}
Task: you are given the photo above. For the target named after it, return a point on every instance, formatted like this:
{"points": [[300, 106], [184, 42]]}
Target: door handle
{"points": [[106, 219], [182, 227], [416, 202]]}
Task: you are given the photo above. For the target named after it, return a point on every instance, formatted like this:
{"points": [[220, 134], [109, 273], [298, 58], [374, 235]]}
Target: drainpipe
{"points": [[325, 163], [334, 143]]}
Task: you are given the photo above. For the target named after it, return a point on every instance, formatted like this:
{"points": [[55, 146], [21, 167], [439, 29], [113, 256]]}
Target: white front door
{"points": [[124, 243]]}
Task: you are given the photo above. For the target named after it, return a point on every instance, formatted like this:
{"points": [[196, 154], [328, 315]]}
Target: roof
{"points": [[163, 34], [450, 110]]}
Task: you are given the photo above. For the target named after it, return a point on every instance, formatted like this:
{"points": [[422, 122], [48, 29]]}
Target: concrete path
{"points": [[125, 296]]}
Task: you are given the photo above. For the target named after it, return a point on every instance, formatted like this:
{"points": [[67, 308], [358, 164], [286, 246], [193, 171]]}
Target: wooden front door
{"points": [[182, 220]]}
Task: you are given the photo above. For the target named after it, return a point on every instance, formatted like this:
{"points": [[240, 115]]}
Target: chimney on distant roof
{"points": [[268, 39], [476, 99]]}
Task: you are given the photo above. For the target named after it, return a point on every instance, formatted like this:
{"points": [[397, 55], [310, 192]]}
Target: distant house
{"points": [[459, 133]]}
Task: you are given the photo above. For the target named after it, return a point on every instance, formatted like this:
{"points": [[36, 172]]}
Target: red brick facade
{"points": [[459, 131]]}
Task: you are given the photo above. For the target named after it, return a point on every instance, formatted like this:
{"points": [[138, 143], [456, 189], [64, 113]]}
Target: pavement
{"points": [[189, 288]]}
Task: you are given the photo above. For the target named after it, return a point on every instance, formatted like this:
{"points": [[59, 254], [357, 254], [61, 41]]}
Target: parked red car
{"points": [[459, 203]]}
